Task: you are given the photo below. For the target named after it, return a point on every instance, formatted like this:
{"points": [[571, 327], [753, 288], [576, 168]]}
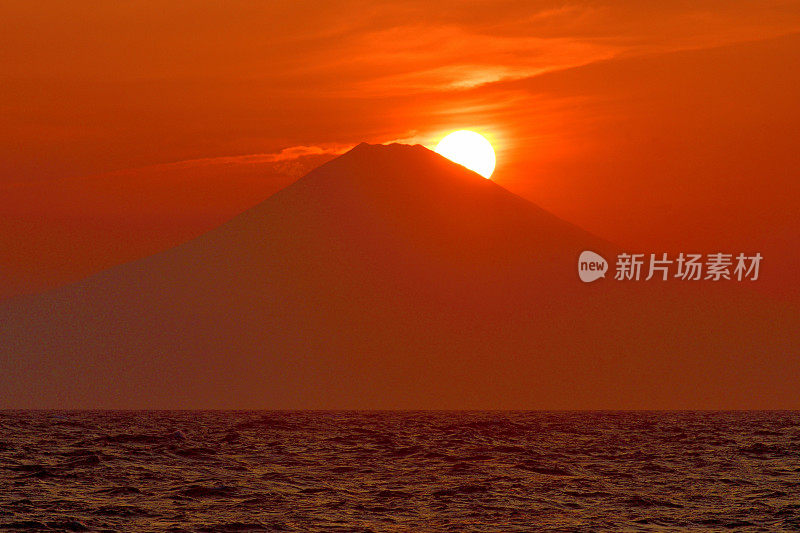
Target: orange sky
{"points": [[128, 127]]}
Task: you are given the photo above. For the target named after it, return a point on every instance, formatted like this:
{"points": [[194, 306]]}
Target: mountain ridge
{"points": [[389, 277]]}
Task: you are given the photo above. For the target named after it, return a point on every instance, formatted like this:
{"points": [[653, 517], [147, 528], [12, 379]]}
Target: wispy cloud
{"points": [[89, 90], [287, 154]]}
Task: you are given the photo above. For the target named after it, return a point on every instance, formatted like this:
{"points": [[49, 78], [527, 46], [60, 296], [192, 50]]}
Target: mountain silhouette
{"points": [[391, 277]]}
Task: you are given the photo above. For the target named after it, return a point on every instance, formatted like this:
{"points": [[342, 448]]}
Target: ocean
{"points": [[221, 471]]}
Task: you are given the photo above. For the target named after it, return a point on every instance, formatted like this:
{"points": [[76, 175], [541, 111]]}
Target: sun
{"points": [[469, 149]]}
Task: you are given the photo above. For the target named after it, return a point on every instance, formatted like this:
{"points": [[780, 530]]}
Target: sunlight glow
{"points": [[469, 149]]}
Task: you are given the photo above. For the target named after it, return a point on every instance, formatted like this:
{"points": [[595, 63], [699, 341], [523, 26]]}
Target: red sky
{"points": [[128, 127]]}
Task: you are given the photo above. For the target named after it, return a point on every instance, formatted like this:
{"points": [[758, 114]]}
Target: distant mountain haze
{"points": [[391, 277]]}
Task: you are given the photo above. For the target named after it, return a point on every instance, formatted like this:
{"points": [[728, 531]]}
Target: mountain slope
{"points": [[391, 278]]}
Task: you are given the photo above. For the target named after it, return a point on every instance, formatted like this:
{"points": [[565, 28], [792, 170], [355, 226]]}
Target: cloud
{"points": [[287, 154], [89, 89]]}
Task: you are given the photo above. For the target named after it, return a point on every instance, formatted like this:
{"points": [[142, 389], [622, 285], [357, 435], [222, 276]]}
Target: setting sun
{"points": [[469, 149]]}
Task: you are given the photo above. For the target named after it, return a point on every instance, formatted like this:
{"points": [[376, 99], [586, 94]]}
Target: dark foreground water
{"points": [[347, 471]]}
